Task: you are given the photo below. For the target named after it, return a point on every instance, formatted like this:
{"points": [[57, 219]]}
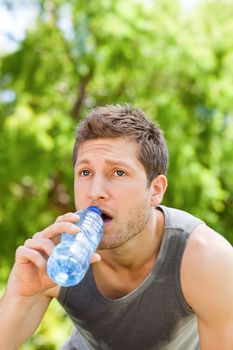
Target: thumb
{"points": [[95, 258]]}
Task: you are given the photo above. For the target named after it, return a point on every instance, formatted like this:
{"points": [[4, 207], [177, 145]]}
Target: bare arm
{"points": [[29, 288], [22, 316], [207, 282]]}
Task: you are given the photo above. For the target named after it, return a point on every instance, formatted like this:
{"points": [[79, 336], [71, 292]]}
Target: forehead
{"points": [[109, 148]]}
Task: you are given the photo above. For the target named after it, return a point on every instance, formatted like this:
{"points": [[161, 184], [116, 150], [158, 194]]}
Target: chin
{"points": [[109, 244]]}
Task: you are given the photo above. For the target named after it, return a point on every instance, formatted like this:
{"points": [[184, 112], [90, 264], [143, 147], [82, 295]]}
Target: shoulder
{"points": [[179, 219], [207, 272]]}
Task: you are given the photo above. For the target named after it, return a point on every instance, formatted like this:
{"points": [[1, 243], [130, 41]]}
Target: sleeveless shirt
{"points": [[154, 316]]}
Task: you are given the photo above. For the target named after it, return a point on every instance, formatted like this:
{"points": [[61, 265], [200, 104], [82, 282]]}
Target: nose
{"points": [[98, 189]]}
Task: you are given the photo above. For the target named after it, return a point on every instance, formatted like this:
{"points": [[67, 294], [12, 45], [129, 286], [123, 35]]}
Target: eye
{"points": [[85, 172], [119, 173]]}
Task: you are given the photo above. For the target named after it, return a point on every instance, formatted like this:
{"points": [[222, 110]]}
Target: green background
{"points": [[173, 62]]}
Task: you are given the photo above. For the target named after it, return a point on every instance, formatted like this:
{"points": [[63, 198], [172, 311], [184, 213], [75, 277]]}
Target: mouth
{"points": [[106, 217]]}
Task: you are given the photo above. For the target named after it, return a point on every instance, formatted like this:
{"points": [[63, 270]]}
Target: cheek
{"points": [[81, 185], [137, 193], [134, 202], [80, 194]]}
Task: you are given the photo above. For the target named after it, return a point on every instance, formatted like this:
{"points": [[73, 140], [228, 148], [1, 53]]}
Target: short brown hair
{"points": [[126, 121]]}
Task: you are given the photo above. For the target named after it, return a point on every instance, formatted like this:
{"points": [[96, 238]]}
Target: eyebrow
{"points": [[107, 161]]}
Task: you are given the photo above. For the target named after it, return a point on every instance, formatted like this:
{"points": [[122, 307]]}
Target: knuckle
{"points": [[38, 259], [65, 225], [36, 234], [59, 218], [71, 227], [19, 249], [27, 242], [63, 217]]}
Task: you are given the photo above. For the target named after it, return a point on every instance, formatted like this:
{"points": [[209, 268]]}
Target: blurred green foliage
{"points": [[173, 63]]}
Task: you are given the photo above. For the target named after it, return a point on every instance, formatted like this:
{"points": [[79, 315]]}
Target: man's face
{"points": [[109, 175]]}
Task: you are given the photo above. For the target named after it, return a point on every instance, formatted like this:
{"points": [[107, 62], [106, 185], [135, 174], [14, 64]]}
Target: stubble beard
{"points": [[135, 222]]}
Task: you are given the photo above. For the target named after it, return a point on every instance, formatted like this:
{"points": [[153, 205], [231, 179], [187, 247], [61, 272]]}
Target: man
{"points": [[161, 280]]}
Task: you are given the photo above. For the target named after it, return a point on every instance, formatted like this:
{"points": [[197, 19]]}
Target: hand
{"points": [[29, 274]]}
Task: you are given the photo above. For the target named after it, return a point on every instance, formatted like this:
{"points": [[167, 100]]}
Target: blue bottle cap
{"points": [[95, 209]]}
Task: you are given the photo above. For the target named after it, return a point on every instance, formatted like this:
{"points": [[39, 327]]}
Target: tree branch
{"points": [[81, 94]]}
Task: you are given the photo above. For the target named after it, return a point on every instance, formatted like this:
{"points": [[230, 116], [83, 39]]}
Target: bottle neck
{"points": [[95, 209]]}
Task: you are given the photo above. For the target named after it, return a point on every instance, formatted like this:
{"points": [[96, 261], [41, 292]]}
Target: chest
{"points": [[117, 284], [144, 319]]}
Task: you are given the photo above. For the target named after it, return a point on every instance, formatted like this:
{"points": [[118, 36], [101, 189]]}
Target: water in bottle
{"points": [[70, 259]]}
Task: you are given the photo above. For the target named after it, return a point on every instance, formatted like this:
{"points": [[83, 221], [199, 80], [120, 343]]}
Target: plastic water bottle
{"points": [[70, 259]]}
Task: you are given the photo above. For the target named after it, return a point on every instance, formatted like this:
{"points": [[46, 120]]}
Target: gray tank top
{"points": [[154, 316]]}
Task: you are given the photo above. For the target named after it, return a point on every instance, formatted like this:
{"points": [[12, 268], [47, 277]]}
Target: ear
{"points": [[158, 188]]}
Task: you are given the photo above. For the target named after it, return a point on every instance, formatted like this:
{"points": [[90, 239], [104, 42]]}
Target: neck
{"points": [[139, 251], [123, 269]]}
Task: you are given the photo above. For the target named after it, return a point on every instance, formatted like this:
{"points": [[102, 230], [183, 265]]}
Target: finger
{"points": [[95, 258], [41, 244], [56, 229], [26, 255], [72, 217]]}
